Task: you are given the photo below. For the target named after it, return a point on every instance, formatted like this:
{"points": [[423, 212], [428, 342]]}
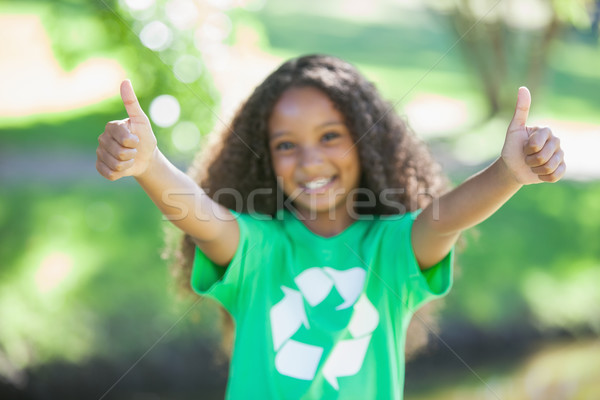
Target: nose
{"points": [[311, 157]]}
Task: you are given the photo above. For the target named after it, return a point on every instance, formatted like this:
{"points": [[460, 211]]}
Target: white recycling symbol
{"points": [[300, 360]]}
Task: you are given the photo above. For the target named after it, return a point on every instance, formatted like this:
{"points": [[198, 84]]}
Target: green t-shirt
{"points": [[320, 318]]}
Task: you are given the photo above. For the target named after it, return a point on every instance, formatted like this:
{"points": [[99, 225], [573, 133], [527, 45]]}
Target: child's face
{"points": [[313, 152]]}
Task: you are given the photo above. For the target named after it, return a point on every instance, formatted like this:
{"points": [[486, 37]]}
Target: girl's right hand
{"points": [[126, 147]]}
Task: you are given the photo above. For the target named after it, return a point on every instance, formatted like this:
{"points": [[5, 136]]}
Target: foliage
{"points": [[82, 274], [510, 42], [538, 246], [81, 29]]}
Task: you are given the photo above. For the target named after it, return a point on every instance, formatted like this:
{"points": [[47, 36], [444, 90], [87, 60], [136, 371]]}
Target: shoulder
{"points": [[257, 225], [395, 222]]}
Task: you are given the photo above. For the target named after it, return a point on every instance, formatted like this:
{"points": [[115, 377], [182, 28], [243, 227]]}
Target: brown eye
{"points": [[330, 136], [284, 146]]}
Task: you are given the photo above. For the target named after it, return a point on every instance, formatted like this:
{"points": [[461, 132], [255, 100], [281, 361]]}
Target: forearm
{"points": [[437, 228], [529, 155], [181, 200], [473, 201]]}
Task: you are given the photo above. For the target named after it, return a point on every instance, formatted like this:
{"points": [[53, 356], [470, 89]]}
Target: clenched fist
{"points": [[532, 154], [126, 147]]}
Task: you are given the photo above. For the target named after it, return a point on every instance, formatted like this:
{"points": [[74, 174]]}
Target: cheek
{"points": [[347, 159], [283, 166]]}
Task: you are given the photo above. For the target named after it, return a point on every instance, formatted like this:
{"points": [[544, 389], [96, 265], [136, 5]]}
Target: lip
{"points": [[322, 189]]}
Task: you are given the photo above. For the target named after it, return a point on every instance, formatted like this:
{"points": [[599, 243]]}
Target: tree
{"points": [[504, 40]]}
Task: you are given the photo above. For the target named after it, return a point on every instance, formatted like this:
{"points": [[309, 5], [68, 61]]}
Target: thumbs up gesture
{"points": [[126, 147], [532, 154]]}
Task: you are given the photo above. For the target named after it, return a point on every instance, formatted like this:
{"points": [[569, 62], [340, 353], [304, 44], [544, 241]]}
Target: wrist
{"points": [[505, 174], [154, 159]]}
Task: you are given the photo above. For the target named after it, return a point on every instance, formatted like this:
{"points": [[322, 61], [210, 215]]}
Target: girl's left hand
{"points": [[531, 154]]}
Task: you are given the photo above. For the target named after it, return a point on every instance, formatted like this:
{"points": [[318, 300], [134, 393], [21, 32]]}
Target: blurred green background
{"points": [[84, 292]]}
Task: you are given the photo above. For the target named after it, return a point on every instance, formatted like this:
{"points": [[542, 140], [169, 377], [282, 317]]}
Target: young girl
{"points": [[320, 225]]}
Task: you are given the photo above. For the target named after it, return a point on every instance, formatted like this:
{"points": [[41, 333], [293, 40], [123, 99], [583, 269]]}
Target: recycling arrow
{"points": [[287, 316], [345, 359], [300, 360], [347, 356]]}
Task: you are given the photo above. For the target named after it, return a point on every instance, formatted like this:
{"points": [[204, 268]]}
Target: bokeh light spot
{"points": [[185, 136], [53, 270], [216, 27], [139, 4], [183, 14], [187, 68], [156, 36], [221, 4], [165, 110]]}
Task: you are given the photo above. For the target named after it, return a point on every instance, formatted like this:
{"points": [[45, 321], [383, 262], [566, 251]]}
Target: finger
{"points": [[119, 131], [537, 140], [521, 110], [119, 152], [551, 165], [134, 110], [106, 172], [544, 155], [111, 162], [556, 175]]}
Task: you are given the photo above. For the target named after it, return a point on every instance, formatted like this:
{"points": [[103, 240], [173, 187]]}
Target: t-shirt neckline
{"points": [[291, 218]]}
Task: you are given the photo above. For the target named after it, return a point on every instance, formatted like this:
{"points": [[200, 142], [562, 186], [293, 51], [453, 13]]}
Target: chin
{"points": [[320, 207]]}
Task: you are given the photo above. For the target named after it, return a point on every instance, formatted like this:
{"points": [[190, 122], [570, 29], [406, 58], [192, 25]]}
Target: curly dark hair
{"points": [[391, 156]]}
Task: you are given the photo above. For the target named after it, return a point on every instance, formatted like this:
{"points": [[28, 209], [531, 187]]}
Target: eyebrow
{"points": [[277, 134]]}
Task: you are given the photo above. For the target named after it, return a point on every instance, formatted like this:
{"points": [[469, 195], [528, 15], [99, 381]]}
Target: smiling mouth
{"points": [[317, 185]]}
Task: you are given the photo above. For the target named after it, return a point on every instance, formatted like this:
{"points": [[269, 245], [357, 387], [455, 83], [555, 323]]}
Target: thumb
{"points": [[521, 110], [132, 106]]}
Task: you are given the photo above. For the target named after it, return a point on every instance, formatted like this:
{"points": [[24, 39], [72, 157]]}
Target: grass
{"points": [[116, 295]]}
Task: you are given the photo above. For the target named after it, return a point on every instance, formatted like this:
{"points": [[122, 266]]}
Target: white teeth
{"points": [[317, 183]]}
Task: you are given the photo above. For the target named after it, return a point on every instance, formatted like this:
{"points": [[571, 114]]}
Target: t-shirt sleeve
{"points": [[421, 286], [225, 284]]}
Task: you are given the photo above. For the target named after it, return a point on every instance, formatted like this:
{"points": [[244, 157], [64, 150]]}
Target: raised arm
{"points": [[129, 148], [530, 155]]}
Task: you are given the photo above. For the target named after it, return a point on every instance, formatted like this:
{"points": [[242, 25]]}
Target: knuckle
{"points": [[557, 159], [529, 160], [119, 136], [534, 147], [111, 125], [131, 141], [110, 163], [126, 140]]}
